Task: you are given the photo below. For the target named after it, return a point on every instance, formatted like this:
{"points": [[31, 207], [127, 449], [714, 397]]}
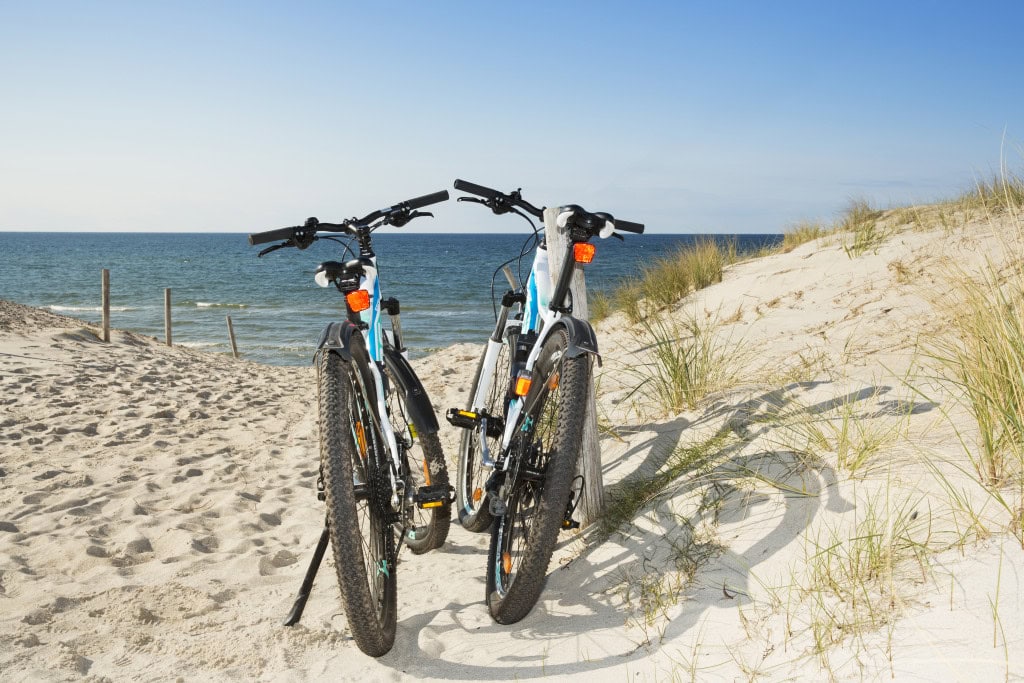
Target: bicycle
{"points": [[524, 424], [382, 471]]}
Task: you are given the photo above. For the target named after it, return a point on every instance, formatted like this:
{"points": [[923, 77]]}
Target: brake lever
{"points": [[274, 248], [402, 219]]}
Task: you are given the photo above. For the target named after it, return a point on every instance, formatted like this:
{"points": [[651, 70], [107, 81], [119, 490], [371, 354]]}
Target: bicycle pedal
{"points": [[433, 496], [464, 419], [467, 419]]}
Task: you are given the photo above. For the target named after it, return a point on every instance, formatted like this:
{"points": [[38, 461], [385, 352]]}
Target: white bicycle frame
{"points": [[537, 317]]}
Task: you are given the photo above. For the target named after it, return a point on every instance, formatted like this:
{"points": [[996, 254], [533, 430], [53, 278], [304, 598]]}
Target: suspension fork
{"points": [[393, 309]]}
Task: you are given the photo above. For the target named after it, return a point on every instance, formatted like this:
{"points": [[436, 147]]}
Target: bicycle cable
{"points": [[524, 250]]}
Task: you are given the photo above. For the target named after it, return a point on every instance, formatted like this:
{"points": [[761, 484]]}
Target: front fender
{"points": [[416, 400]]}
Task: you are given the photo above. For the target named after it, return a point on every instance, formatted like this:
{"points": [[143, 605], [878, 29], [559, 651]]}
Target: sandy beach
{"points": [[157, 505]]}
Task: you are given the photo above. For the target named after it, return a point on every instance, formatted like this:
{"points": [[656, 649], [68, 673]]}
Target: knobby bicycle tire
{"points": [[523, 539], [361, 532], [470, 499], [425, 462]]}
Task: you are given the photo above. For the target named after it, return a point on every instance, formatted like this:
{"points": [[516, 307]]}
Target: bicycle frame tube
{"points": [[371, 316], [539, 316], [375, 347]]}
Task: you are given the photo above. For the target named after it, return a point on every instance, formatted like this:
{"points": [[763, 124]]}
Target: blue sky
{"points": [[687, 116]]}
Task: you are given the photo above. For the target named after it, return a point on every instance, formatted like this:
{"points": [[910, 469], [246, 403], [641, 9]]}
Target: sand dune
{"points": [[157, 509]]}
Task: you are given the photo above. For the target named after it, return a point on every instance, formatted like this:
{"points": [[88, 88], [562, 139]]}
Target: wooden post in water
{"points": [[231, 336], [589, 464], [105, 306], [167, 315]]}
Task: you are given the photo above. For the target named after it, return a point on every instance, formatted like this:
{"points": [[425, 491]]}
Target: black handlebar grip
{"points": [[479, 190], [426, 200], [627, 226], [271, 236]]}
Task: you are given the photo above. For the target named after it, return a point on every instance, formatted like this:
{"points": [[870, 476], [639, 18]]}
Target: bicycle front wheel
{"points": [[523, 539], [470, 498], [358, 495]]}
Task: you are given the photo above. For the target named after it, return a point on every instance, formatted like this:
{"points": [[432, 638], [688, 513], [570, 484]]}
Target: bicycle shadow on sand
{"points": [[592, 615]]}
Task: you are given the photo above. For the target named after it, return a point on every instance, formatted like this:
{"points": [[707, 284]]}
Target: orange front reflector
{"points": [[523, 385], [359, 300], [583, 252], [506, 562]]}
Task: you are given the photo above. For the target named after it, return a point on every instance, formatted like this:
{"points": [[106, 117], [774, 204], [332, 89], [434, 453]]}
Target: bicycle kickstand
{"points": [[307, 583]]}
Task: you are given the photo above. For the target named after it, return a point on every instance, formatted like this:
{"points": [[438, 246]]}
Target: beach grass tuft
{"points": [[800, 233], [667, 280], [689, 359]]}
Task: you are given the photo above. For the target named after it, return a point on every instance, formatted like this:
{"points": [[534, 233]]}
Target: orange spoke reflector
{"points": [[361, 439], [506, 563], [426, 472], [553, 382], [358, 300], [477, 495], [523, 385], [583, 252]]}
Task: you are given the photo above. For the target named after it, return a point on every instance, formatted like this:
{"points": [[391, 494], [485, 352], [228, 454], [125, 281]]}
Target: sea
{"points": [[443, 281]]}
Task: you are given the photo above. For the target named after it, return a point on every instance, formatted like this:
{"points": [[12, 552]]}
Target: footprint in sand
{"points": [[206, 545], [269, 565]]}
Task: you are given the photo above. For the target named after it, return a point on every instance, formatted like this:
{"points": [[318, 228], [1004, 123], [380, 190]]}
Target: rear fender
{"points": [[337, 338], [582, 338]]}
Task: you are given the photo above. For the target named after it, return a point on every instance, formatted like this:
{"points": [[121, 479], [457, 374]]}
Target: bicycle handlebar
{"points": [[272, 235], [499, 202], [395, 213], [425, 200], [629, 226]]}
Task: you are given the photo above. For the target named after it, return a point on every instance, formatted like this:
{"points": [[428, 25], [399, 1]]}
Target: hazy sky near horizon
{"points": [[690, 117]]}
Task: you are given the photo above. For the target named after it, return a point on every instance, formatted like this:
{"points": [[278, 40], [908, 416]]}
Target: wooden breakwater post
{"points": [[589, 465], [231, 336], [167, 315], [105, 302]]}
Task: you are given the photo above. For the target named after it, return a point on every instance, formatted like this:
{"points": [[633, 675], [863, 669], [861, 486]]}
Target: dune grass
{"points": [[860, 221], [1001, 192], [666, 281], [688, 360], [626, 499], [802, 232]]}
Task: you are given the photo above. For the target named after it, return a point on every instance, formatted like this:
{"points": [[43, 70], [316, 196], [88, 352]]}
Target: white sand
{"points": [[157, 509]]}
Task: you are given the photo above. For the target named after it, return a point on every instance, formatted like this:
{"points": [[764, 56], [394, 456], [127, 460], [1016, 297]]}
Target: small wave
{"points": [[80, 309], [206, 304], [198, 345]]}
